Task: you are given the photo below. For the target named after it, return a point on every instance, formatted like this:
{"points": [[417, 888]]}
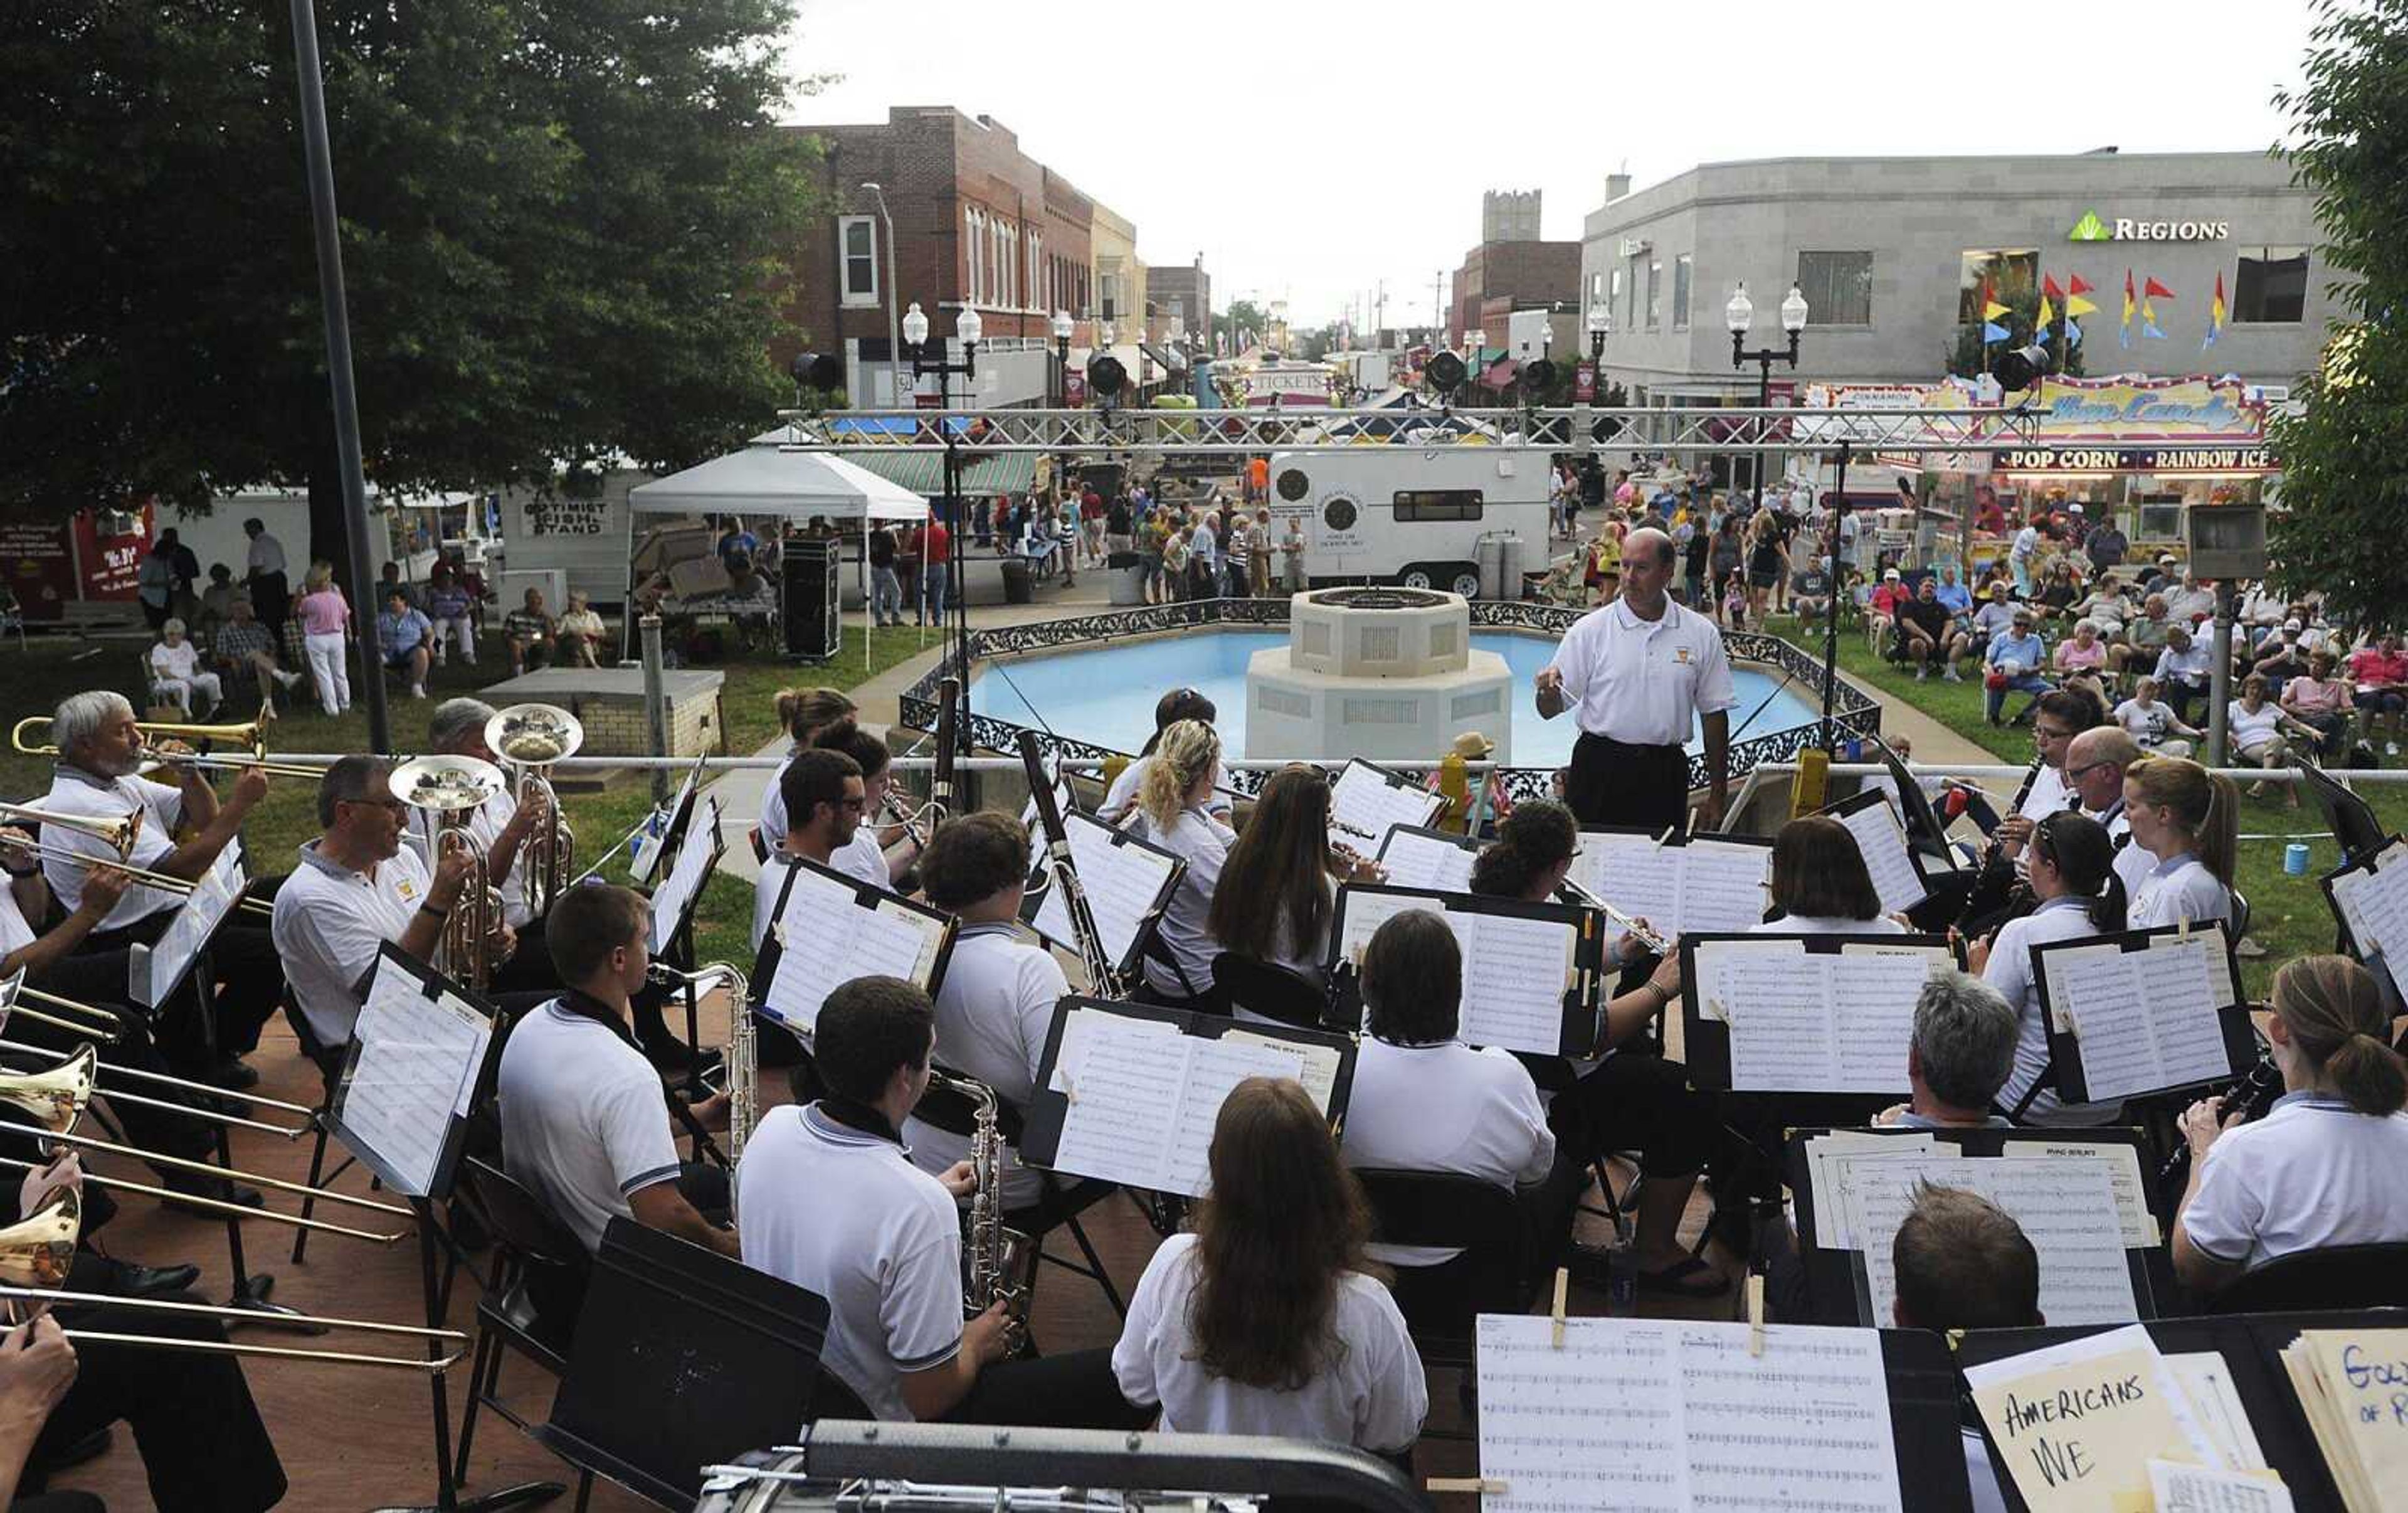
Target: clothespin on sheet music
{"points": [[1556, 1315], [1756, 1313], [778, 932], [1492, 1485], [1069, 1085], [2182, 927], [1665, 839]]}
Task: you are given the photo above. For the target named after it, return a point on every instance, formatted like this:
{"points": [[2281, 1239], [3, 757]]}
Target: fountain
{"points": [[1380, 673]]}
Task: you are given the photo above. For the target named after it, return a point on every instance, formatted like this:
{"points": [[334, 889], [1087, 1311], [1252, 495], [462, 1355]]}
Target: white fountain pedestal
{"points": [[1380, 673]]}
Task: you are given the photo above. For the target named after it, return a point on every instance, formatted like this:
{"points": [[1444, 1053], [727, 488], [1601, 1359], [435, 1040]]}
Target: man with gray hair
{"points": [[1961, 1053], [100, 746]]}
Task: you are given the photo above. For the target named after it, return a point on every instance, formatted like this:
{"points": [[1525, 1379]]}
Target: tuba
{"points": [[528, 739], [450, 789], [998, 1265]]}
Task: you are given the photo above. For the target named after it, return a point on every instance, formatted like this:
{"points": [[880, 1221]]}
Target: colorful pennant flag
{"points": [[2048, 286], [2076, 284], [1993, 331], [2047, 316], [2077, 305], [2072, 332], [1993, 310], [2149, 320], [2123, 333], [2157, 291], [2215, 315]]}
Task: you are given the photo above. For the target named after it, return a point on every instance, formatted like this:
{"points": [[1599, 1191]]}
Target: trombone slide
{"points": [[254, 1099], [211, 1169], [217, 1205]]}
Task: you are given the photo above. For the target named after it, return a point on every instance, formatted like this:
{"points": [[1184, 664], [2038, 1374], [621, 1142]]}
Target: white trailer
{"points": [[1406, 514]]}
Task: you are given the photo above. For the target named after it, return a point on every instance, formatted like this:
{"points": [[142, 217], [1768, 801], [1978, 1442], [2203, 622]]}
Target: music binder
{"points": [[1803, 1014], [154, 973], [1840, 1276], [1416, 856], [829, 929], [1115, 865], [1682, 885], [1128, 1092], [2144, 1012], [1513, 953], [674, 902], [422, 1053], [1881, 839], [2368, 896], [1366, 799]]}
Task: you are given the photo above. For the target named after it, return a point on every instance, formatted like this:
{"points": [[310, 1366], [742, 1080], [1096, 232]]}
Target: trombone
{"points": [[120, 835], [251, 735], [36, 1253], [82, 1063], [13, 991]]}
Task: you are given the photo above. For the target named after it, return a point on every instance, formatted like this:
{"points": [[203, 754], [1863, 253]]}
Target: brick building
{"points": [[1498, 277], [1184, 290]]}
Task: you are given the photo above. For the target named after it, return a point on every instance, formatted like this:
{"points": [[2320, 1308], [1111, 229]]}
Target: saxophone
{"points": [[998, 1264]]}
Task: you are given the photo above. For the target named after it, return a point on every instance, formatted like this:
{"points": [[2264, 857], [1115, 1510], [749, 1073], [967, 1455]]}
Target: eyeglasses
{"points": [[2073, 775]]}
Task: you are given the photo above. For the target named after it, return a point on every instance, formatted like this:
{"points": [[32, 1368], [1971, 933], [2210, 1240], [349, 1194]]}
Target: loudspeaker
{"points": [[2017, 368], [812, 603]]}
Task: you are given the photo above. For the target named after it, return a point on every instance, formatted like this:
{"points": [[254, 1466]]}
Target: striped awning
{"points": [[923, 472]]}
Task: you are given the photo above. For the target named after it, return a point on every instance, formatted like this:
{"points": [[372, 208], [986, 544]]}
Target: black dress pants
{"points": [[1613, 782]]}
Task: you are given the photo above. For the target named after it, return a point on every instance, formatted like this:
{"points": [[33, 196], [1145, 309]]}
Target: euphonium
{"points": [[529, 738], [450, 789], [998, 1265]]}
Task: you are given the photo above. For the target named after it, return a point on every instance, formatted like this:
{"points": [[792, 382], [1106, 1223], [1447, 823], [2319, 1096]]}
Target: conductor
{"points": [[1638, 670]]}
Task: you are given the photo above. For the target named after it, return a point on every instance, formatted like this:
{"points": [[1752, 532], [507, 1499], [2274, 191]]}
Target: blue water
{"points": [[1107, 694]]}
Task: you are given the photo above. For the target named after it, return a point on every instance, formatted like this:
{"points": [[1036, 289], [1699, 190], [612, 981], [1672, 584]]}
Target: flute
{"points": [[1645, 934]]}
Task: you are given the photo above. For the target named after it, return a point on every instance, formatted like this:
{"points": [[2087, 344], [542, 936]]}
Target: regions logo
{"points": [[2091, 229], [2094, 227]]}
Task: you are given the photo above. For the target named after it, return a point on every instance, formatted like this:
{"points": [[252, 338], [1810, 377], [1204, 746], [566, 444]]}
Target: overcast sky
{"points": [[1311, 150]]}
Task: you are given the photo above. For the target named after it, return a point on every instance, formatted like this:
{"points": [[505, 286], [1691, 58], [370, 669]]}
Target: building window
{"points": [[1614, 301], [1837, 286], [1682, 279], [1630, 295], [1655, 297], [857, 239], [1597, 288], [975, 240], [2272, 286], [1415, 505], [2014, 274]]}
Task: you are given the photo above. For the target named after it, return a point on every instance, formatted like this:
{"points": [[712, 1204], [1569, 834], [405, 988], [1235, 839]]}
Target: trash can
{"points": [[1509, 567], [1488, 555], [1019, 583], [1128, 578]]}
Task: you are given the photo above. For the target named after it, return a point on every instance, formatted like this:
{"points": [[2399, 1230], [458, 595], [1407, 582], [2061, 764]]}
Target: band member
{"points": [[875, 854], [1820, 885], [997, 1005], [504, 827], [2095, 764], [2188, 821], [1624, 1098], [824, 801], [356, 887], [1278, 891], [1641, 671], [1171, 812], [584, 1125], [802, 714], [1963, 1262], [1425, 1102], [1177, 705], [2072, 875], [1264, 1321], [1961, 1054], [832, 1203], [100, 747], [2322, 1168]]}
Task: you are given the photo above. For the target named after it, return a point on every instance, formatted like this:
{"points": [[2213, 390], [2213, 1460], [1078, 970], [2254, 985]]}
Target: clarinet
{"points": [[2250, 1098], [1992, 892], [1103, 978], [940, 784]]}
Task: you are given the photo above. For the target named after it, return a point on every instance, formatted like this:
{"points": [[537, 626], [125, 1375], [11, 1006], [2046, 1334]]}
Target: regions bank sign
{"points": [[2093, 228]]}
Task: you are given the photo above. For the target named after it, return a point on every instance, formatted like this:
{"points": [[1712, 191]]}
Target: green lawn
{"points": [[2289, 917], [48, 671]]}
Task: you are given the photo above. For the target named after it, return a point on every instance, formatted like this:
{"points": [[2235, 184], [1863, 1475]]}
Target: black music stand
{"points": [[677, 942], [401, 1106], [682, 1358]]}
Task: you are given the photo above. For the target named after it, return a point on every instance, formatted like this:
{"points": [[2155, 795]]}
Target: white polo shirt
{"points": [[2133, 864], [2009, 972], [863, 859], [2312, 1173], [267, 553], [993, 1013], [487, 824], [74, 791], [773, 806], [329, 921], [584, 1123], [1120, 799], [1644, 681], [1370, 1394], [2049, 794], [15, 933], [1185, 929], [1444, 1108], [845, 1214], [1827, 925], [2177, 889]]}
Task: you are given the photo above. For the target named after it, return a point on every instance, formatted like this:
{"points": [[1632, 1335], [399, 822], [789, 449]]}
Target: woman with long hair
{"points": [[2072, 874], [1171, 812], [802, 714], [1278, 890], [1620, 1099], [1268, 1319], [2322, 1168], [1177, 705], [1820, 884], [2189, 821], [1767, 562]]}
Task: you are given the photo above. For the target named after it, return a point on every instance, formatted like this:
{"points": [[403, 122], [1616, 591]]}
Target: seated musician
{"points": [[2094, 762], [1963, 1262], [2323, 1167], [1120, 799], [2187, 820], [1173, 812], [832, 1203], [824, 801], [356, 887], [100, 748], [203, 1447], [1278, 891], [504, 827], [1820, 885], [802, 714], [1268, 1318], [997, 1004], [2072, 875], [1425, 1102], [1962, 1048], [584, 1123], [1621, 1099], [877, 854]]}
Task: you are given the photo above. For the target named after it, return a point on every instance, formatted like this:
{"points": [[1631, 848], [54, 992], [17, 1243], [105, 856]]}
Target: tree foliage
{"points": [[2344, 450], [1244, 320], [559, 223], [1968, 358]]}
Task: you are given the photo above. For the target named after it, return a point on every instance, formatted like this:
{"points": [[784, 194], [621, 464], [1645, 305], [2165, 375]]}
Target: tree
{"points": [[558, 224], [1968, 358], [1243, 322], [2341, 447]]}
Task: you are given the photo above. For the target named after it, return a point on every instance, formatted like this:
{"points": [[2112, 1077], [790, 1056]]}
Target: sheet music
{"points": [[1516, 972], [2350, 1383], [2175, 1488], [2190, 980], [1881, 839], [2144, 1020], [1722, 887], [691, 869], [1832, 1165], [2066, 1207], [1123, 884], [2374, 905], [1636, 875], [1673, 1416], [646, 859], [1363, 803], [1315, 1067], [826, 939], [2124, 1166], [1872, 1003], [1805, 1021], [1417, 860], [2206, 1379], [1214, 1070], [1365, 913], [415, 1071], [187, 932], [2076, 1424]]}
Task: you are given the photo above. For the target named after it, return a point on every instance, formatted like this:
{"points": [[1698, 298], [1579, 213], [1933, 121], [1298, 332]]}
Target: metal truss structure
{"points": [[1549, 430]]}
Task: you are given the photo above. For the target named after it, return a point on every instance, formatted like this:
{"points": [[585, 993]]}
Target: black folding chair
{"points": [[1269, 990], [2338, 1276], [1442, 1304], [328, 1063], [534, 1255]]}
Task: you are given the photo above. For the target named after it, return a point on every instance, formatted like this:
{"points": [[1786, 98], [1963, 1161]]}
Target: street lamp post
{"points": [[894, 343], [1736, 315], [968, 328], [1062, 328]]}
